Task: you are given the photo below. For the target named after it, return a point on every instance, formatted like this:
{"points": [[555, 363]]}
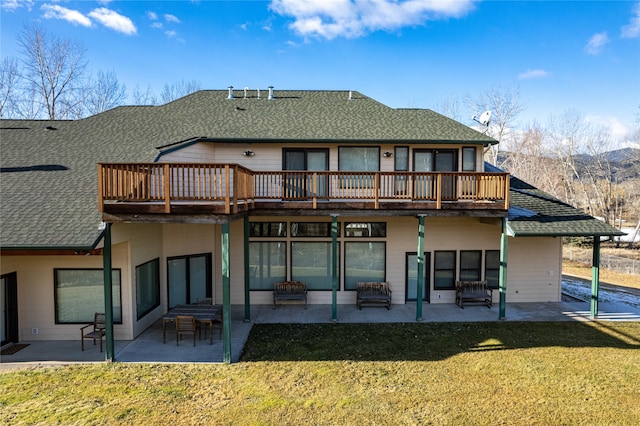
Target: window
{"points": [[79, 294], [469, 159], [492, 268], [470, 262], [412, 277], [311, 263], [358, 159], [401, 159], [268, 264], [268, 229], [312, 229], [147, 287], [364, 261], [366, 229], [444, 273], [189, 278]]}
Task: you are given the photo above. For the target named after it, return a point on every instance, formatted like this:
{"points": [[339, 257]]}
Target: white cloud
{"points": [[112, 19], [529, 74], [632, 29], [152, 15], [170, 34], [54, 11], [618, 129], [13, 5], [350, 18], [596, 43], [171, 18]]}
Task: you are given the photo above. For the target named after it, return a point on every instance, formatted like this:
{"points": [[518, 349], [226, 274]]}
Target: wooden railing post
{"points": [[100, 189], [167, 187], [227, 189], [439, 191], [235, 188], [376, 186]]}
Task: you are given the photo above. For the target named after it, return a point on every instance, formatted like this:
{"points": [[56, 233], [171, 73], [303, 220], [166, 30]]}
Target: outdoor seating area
{"points": [[373, 294], [473, 292], [191, 318], [289, 291]]}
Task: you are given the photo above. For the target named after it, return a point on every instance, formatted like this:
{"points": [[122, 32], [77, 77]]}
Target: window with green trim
{"points": [[364, 261], [267, 264], [147, 287], [79, 294], [470, 265], [444, 270], [492, 268]]}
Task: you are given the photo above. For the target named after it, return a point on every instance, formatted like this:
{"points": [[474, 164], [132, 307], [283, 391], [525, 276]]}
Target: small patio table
{"points": [[204, 314]]}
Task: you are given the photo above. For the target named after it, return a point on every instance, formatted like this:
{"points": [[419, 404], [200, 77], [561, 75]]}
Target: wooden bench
{"points": [[289, 291], [373, 294], [473, 292]]}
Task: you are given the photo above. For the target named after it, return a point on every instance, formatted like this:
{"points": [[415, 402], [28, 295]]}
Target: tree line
{"points": [[51, 80]]}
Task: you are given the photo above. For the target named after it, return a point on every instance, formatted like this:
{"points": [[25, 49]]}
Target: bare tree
{"points": [[449, 107], [143, 97], [104, 92], [177, 90], [53, 68], [9, 79], [505, 105]]}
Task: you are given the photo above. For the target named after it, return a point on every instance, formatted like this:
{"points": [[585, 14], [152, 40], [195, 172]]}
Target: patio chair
{"points": [[185, 324], [95, 330], [217, 323]]}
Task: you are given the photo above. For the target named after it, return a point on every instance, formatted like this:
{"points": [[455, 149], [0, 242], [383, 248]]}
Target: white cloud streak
{"points": [[596, 43], [530, 74], [112, 19], [351, 19], [171, 18], [632, 29], [54, 11]]}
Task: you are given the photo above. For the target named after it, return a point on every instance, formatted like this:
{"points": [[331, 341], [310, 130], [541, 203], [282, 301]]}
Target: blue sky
{"points": [[560, 54]]}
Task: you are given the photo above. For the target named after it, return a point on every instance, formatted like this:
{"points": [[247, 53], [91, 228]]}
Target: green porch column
{"points": [[247, 273], [334, 268], [595, 277], [226, 297], [503, 269], [109, 352], [420, 278]]}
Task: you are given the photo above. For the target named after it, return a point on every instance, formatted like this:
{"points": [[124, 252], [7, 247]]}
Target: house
{"points": [[222, 193]]}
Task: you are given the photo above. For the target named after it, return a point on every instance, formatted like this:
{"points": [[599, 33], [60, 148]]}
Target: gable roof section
{"points": [[533, 212]]}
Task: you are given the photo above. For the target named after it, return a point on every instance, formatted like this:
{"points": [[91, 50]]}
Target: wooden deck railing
{"points": [[233, 184]]}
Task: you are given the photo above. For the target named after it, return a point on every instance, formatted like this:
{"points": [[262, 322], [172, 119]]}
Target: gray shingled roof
{"points": [[48, 185], [533, 212]]}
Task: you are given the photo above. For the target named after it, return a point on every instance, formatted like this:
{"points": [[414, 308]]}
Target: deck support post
{"points": [[420, 278], [226, 296], [109, 352], [334, 268], [247, 273], [503, 270], [595, 277]]}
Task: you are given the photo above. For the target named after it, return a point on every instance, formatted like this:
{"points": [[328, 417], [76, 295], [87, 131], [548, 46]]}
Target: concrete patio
{"points": [[148, 347]]}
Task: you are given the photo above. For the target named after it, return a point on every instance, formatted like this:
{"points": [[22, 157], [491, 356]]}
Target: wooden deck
{"points": [[224, 189]]}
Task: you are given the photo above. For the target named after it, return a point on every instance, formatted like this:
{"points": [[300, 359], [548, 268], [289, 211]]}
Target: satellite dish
{"points": [[485, 118]]}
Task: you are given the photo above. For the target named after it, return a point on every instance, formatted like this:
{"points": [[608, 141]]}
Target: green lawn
{"points": [[506, 373]]}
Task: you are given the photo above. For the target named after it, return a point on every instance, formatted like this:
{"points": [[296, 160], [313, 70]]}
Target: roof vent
{"points": [[230, 93], [246, 89], [258, 90], [270, 93], [350, 95]]}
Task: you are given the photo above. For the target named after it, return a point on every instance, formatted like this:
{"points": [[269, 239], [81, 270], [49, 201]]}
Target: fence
{"points": [[607, 261]]}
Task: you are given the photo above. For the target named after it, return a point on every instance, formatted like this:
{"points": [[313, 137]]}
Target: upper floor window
{"points": [[469, 159], [359, 158]]}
